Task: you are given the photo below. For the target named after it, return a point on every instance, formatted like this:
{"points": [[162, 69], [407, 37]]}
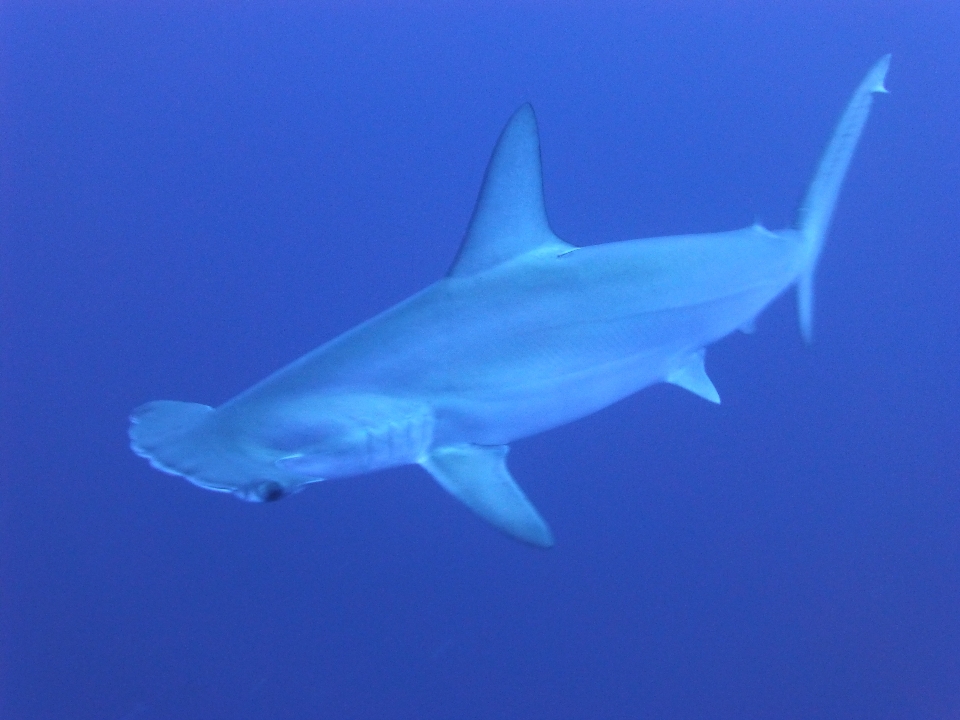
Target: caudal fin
{"points": [[813, 220]]}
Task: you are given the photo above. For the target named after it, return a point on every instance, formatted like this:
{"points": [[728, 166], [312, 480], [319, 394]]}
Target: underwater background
{"points": [[193, 194]]}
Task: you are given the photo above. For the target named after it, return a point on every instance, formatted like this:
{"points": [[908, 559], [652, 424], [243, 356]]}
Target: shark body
{"points": [[525, 333]]}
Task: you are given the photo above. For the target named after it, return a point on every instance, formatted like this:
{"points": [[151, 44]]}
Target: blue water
{"points": [[194, 194]]}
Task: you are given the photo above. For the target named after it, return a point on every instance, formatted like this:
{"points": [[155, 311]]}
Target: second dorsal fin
{"points": [[509, 218]]}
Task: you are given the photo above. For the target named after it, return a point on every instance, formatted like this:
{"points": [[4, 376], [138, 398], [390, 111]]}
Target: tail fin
{"points": [[813, 220]]}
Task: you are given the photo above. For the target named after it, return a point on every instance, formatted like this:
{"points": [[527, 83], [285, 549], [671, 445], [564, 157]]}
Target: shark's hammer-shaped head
{"points": [[262, 454], [183, 439]]}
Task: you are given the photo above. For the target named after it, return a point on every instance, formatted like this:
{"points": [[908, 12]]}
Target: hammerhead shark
{"points": [[526, 332]]}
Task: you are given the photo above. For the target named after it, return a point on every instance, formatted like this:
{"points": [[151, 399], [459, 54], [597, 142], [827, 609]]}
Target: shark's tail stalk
{"points": [[813, 220]]}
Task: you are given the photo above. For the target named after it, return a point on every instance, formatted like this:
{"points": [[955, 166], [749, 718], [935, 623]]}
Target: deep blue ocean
{"points": [[193, 194]]}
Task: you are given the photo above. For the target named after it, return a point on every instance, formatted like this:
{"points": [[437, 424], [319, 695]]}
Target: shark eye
{"points": [[269, 491]]}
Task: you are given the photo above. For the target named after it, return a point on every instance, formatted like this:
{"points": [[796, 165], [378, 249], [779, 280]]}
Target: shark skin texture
{"points": [[525, 333]]}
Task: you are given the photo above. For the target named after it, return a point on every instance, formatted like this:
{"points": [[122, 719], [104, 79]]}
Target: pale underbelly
{"points": [[528, 399], [498, 418]]}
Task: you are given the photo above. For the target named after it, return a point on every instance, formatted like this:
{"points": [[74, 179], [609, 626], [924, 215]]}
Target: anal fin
{"points": [[478, 477], [692, 376]]}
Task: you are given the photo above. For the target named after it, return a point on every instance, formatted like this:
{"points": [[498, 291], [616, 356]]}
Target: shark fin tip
{"points": [[691, 375], [478, 477]]}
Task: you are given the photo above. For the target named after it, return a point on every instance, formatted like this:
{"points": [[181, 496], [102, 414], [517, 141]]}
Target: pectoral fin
{"points": [[478, 477], [692, 376]]}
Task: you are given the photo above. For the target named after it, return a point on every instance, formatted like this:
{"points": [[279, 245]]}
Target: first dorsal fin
{"points": [[509, 218]]}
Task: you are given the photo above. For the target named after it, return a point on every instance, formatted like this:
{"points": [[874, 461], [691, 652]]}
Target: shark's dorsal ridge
{"points": [[509, 218], [477, 476], [691, 375]]}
